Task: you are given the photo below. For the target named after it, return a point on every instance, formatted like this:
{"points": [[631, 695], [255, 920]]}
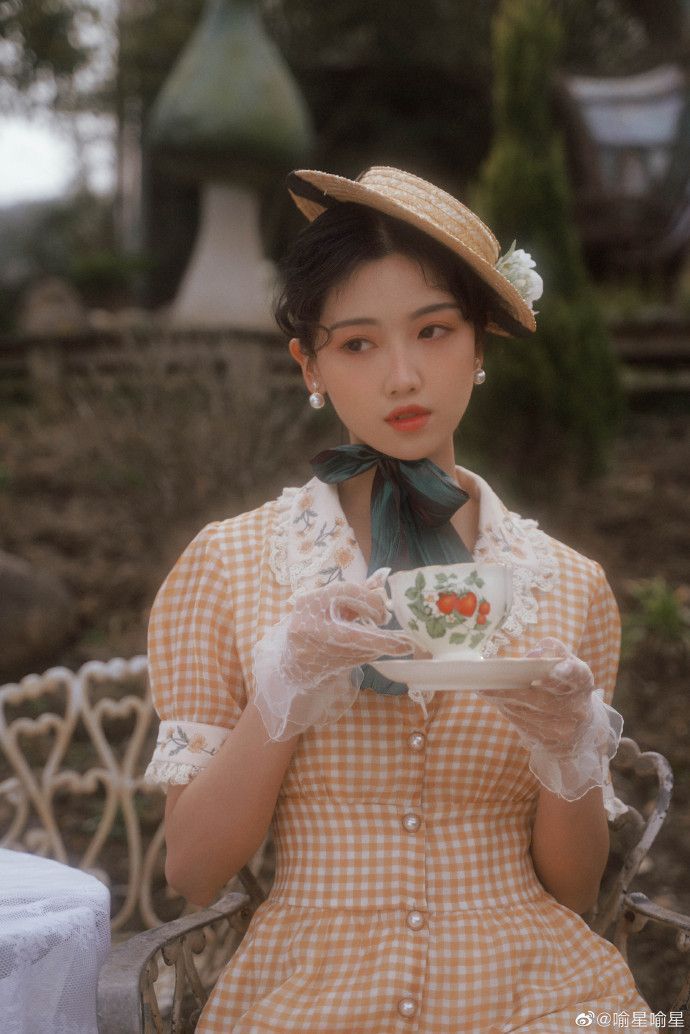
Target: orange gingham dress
{"points": [[405, 899]]}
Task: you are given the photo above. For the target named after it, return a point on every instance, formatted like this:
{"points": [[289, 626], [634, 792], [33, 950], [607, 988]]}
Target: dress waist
{"points": [[380, 855]]}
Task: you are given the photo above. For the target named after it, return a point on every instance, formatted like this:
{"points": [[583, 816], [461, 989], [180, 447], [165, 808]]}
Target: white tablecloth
{"points": [[54, 937]]}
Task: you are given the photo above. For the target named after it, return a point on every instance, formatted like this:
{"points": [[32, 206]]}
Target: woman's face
{"points": [[398, 362]]}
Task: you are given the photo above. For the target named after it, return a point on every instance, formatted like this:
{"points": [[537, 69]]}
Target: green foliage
{"points": [[523, 188], [618, 37], [72, 237], [384, 44], [45, 41], [659, 617], [385, 82], [9, 300], [49, 234], [392, 83], [560, 387], [632, 297], [106, 277], [151, 38], [683, 299]]}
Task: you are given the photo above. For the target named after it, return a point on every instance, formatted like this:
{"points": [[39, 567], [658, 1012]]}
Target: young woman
{"points": [[433, 854]]}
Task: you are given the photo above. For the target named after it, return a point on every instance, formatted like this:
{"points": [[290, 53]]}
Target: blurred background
{"points": [[143, 388]]}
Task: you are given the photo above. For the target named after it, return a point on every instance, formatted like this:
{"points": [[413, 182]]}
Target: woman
{"points": [[432, 854]]}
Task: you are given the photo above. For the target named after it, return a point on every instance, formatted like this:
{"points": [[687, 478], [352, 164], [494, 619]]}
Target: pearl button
{"points": [[411, 822], [415, 920], [407, 1007], [416, 741]]}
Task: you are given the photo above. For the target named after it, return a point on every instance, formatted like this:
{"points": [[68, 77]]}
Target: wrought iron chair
{"points": [[74, 750], [90, 734]]}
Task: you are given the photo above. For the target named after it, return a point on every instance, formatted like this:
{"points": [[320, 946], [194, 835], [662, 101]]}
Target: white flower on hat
{"points": [[518, 267]]}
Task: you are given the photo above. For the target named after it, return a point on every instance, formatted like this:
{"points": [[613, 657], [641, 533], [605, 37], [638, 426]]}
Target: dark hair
{"points": [[331, 247]]}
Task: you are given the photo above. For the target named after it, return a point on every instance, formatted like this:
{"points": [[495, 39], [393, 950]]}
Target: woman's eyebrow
{"points": [[357, 321], [426, 309]]}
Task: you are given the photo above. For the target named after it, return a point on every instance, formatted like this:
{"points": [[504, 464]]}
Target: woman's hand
{"points": [[556, 709], [337, 627], [307, 666], [564, 723]]}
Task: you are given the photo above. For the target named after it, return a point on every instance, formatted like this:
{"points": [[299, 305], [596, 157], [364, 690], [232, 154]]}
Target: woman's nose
{"points": [[402, 376]]}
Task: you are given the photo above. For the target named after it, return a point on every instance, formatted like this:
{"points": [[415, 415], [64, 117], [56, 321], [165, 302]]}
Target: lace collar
{"points": [[313, 545]]}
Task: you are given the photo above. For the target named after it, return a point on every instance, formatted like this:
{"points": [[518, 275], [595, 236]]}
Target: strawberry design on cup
{"points": [[465, 605], [451, 608], [446, 602]]}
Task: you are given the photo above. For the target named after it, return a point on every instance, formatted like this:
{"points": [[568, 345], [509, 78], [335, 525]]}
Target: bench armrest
{"points": [[128, 999], [636, 912]]}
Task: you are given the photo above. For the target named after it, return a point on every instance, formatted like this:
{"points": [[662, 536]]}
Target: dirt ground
{"points": [[94, 527], [635, 522]]}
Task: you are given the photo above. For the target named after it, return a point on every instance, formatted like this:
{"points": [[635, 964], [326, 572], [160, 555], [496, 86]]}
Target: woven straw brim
{"points": [[434, 212]]}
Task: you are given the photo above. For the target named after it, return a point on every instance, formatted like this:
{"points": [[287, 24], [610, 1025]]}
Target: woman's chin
{"points": [[406, 446], [422, 447]]}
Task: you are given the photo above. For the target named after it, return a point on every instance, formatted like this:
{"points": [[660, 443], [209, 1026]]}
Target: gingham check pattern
{"points": [[340, 945]]}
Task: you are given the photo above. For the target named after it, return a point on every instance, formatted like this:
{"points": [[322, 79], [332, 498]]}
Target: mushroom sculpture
{"points": [[229, 116]]}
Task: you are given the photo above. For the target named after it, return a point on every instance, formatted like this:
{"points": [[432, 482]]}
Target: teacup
{"points": [[452, 610]]}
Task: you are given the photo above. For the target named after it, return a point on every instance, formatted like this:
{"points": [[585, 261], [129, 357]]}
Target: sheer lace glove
{"points": [[307, 666], [570, 733]]}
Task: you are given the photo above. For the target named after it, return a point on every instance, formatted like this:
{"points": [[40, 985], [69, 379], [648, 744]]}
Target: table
{"points": [[54, 937]]}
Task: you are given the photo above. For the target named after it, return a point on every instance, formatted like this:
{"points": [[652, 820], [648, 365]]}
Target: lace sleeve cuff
{"points": [[183, 749]]}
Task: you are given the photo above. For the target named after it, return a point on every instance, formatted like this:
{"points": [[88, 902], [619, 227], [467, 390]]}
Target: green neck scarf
{"points": [[412, 502]]}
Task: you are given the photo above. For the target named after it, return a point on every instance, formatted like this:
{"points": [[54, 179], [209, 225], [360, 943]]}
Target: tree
{"points": [[50, 44], [386, 82], [392, 82], [47, 45], [560, 388]]}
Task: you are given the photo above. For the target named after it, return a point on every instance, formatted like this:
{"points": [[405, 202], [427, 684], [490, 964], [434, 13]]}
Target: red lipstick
{"points": [[408, 418]]}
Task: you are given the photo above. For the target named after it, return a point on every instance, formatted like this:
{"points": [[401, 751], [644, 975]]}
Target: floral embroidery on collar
{"points": [[314, 545], [506, 538]]}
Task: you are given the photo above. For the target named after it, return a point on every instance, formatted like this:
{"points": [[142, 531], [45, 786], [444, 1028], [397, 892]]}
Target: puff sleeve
{"points": [[601, 641], [194, 670], [600, 649]]}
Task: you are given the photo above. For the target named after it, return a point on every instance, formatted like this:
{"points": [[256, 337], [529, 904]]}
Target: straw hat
{"points": [[407, 197]]}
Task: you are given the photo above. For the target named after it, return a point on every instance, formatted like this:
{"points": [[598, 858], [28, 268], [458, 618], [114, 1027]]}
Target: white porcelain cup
{"points": [[452, 610]]}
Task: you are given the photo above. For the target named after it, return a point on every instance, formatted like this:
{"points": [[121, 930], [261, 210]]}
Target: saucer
{"points": [[468, 676]]}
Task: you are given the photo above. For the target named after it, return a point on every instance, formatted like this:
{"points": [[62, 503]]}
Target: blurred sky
{"points": [[38, 158], [40, 151]]}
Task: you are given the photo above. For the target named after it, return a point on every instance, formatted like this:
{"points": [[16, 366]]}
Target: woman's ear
{"points": [[306, 363], [300, 357], [479, 338]]}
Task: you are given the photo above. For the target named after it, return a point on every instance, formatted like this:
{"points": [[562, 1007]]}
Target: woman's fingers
{"points": [[398, 645], [351, 607], [572, 674], [549, 647], [378, 642], [377, 580]]}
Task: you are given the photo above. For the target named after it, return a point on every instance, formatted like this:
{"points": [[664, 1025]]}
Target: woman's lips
{"points": [[408, 418]]}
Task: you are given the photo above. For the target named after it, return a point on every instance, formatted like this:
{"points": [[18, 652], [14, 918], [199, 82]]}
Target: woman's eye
{"points": [[357, 344], [434, 330]]}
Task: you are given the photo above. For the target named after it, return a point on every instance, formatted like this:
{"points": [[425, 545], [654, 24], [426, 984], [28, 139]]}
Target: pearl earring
{"points": [[316, 399], [479, 375]]}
